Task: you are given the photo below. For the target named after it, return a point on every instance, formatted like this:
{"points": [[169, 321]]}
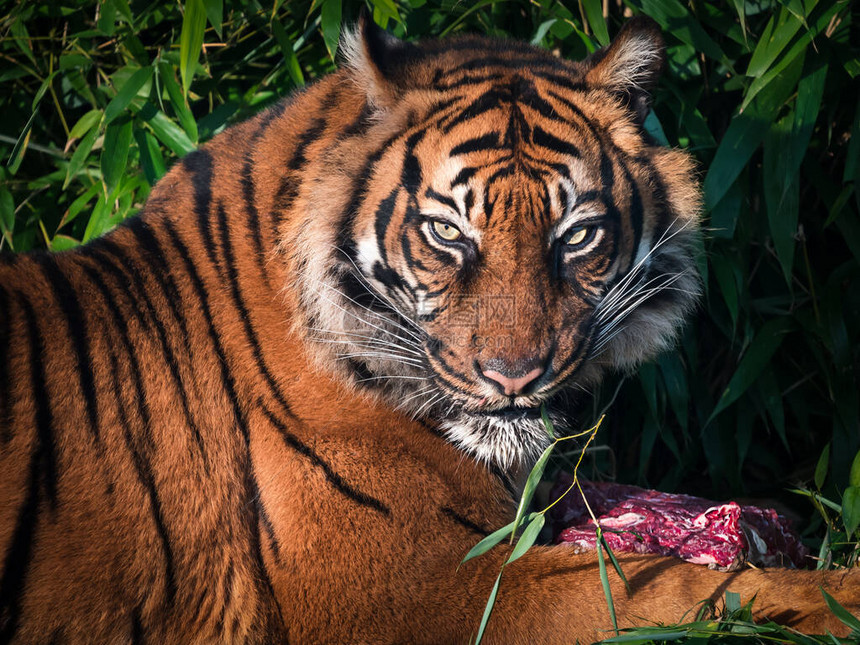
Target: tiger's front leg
{"points": [[379, 544], [551, 595]]}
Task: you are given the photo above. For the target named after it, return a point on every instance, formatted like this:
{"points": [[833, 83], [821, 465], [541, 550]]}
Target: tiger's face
{"points": [[516, 234]]}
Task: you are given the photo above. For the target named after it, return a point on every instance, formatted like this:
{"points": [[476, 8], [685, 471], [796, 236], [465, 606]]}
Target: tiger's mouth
{"points": [[510, 438], [510, 413]]}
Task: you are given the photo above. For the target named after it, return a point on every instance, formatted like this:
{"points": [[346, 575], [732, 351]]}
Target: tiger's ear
{"points": [[631, 64], [379, 61]]}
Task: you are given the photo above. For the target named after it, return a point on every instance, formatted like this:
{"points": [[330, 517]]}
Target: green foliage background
{"points": [[99, 97]]}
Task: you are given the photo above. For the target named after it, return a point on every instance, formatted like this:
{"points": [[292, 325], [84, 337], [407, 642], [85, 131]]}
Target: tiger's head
{"points": [[507, 231]]}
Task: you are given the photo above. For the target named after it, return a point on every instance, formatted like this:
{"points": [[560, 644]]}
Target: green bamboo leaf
{"points": [[854, 473], [647, 439], [819, 498], [97, 223], [825, 545], [761, 349], [126, 93], [288, 50], [331, 17], [648, 636], [488, 609], [20, 147], [547, 422], [746, 131], [768, 388], [777, 34], [841, 613], [675, 18], [834, 640], [740, 141], [80, 155], [22, 38], [63, 243], [177, 101], [540, 32], [80, 203], [733, 601], [85, 123], [167, 131], [191, 40], [115, 152], [387, 10], [594, 15], [615, 564], [653, 127], [818, 24], [849, 228], [782, 194], [725, 273], [215, 14], [740, 9], [822, 466], [797, 8], [107, 18], [531, 484], [840, 202], [725, 214], [489, 542], [851, 509], [7, 216], [527, 539], [124, 10], [785, 148], [604, 581], [648, 379], [852, 158], [696, 127], [675, 378], [151, 158]]}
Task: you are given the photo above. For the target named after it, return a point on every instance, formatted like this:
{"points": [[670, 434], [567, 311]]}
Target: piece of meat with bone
{"points": [[723, 536]]}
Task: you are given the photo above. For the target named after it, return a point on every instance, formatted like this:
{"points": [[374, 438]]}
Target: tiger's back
{"points": [[125, 422], [203, 435]]}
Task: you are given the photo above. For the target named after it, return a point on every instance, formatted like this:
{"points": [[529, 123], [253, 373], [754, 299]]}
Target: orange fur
{"points": [[182, 460]]}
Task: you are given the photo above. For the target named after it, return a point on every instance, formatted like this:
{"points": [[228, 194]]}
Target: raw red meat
{"points": [[722, 536]]}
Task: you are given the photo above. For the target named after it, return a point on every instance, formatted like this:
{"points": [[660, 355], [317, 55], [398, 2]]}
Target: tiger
{"points": [[283, 402]]}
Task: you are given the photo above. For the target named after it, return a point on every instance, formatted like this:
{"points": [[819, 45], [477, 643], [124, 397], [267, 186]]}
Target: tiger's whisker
{"points": [[422, 392], [395, 376], [375, 293], [369, 343], [353, 334], [355, 315], [427, 403], [394, 357], [631, 275], [620, 304], [373, 313], [643, 292]]}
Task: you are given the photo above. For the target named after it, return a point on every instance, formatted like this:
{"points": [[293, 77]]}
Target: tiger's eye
{"points": [[446, 231], [577, 236]]}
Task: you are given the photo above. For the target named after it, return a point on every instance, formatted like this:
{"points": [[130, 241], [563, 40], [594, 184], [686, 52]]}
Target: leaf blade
{"points": [[126, 93], [191, 40], [527, 539], [531, 485], [761, 349], [488, 609]]}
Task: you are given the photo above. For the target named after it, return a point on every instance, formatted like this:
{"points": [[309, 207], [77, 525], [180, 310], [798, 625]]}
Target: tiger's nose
{"points": [[511, 383]]}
